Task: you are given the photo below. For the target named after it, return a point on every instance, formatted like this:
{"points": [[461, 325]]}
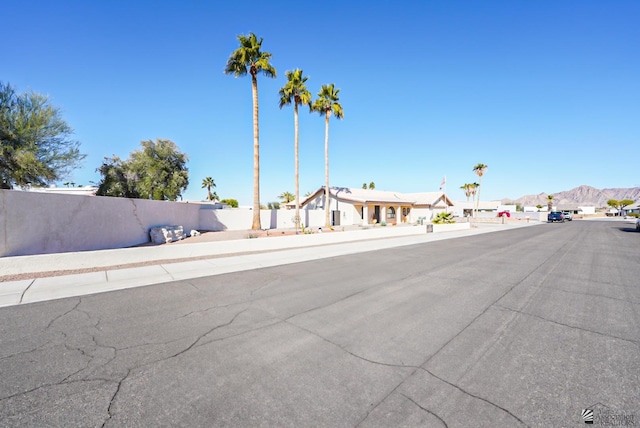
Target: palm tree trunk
{"points": [[473, 206], [255, 224], [478, 201], [326, 171], [295, 148]]}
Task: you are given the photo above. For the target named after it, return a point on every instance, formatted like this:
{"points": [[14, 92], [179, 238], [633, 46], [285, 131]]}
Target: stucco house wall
{"points": [[358, 206]]}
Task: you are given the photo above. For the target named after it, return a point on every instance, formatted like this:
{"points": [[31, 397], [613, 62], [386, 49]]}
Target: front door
{"points": [[376, 213]]}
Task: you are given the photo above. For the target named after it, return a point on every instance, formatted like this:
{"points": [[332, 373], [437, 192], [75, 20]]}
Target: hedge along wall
{"points": [[40, 223]]}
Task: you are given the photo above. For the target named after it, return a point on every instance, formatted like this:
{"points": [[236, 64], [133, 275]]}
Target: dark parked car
{"points": [[555, 216]]}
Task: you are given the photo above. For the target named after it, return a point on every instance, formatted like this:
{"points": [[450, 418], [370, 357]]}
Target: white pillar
{"points": [[365, 215], [383, 214], [398, 214]]}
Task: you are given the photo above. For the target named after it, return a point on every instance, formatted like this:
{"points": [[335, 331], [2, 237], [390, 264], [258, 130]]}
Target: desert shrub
{"points": [[443, 218]]}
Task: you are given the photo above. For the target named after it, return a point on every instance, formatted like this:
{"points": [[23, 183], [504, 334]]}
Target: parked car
{"points": [[555, 216], [567, 215], [638, 224]]}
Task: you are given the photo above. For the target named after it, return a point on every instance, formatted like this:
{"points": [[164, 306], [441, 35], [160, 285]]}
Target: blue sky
{"points": [[545, 93]]}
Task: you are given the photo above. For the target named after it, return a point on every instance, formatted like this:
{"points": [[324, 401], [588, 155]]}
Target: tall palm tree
{"points": [[550, 202], [209, 184], [372, 185], [326, 104], [295, 91], [479, 169], [249, 59]]}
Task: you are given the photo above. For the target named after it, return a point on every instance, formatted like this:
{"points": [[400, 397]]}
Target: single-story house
{"points": [[576, 209], [465, 208], [365, 206], [631, 209]]}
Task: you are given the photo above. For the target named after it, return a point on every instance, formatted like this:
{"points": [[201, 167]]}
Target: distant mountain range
{"points": [[583, 195]]}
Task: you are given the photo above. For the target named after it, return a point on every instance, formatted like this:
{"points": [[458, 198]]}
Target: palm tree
{"points": [[249, 59], [295, 91], [286, 197], [473, 189], [550, 202], [364, 185], [326, 104], [467, 190], [479, 169], [209, 184], [372, 185]]}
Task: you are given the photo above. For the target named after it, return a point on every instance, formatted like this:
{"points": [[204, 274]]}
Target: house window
{"points": [[391, 213], [405, 211]]}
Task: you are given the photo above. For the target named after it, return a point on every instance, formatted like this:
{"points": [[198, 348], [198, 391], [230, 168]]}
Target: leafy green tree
{"points": [[231, 202], [161, 170], [249, 59], [209, 184], [273, 205], [295, 91], [35, 142], [117, 179], [625, 203], [156, 171], [479, 169], [327, 104]]}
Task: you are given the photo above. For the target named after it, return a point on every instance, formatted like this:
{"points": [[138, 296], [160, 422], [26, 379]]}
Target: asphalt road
{"points": [[524, 327]]}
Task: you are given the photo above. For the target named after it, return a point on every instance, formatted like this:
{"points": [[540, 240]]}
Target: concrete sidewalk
{"points": [[167, 263]]}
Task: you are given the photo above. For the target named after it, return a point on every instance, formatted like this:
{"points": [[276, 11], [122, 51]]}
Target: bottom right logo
{"points": [[600, 414], [587, 416]]}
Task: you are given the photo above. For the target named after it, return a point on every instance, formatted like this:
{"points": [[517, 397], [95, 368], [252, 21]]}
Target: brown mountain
{"points": [[583, 195]]}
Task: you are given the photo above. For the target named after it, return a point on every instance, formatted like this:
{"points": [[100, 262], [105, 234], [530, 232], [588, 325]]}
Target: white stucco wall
{"points": [[39, 223], [241, 218]]}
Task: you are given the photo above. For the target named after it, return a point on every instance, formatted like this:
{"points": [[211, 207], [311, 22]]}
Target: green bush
{"points": [[443, 218], [231, 202]]}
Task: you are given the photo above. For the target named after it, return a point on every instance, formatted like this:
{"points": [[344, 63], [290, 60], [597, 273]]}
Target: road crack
{"points": [[415, 369], [611, 336], [426, 410]]}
